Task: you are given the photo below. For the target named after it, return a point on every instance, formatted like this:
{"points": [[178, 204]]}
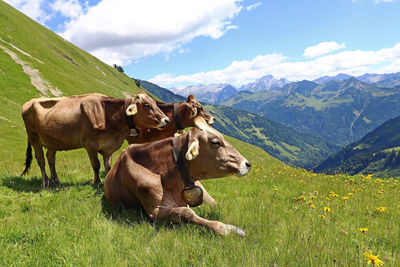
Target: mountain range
{"points": [[218, 93], [212, 93], [282, 142], [340, 112]]}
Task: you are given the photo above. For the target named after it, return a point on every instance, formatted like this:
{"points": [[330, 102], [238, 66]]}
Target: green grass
{"points": [[74, 225]]}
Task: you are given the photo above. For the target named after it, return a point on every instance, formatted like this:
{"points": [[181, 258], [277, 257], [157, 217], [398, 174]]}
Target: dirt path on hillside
{"points": [[41, 85]]}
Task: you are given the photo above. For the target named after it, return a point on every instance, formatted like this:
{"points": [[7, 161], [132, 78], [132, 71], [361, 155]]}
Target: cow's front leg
{"points": [[94, 161], [184, 214], [206, 197]]}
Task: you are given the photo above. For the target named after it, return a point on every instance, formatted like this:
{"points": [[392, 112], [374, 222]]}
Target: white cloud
{"points": [[31, 8], [383, 1], [376, 1], [253, 6], [322, 49], [68, 8], [354, 62], [119, 31]]}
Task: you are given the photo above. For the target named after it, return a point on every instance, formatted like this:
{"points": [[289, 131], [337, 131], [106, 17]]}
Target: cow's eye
{"points": [[147, 106], [216, 142]]}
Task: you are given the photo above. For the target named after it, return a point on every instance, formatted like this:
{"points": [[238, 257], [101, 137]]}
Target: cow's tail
{"points": [[28, 159]]}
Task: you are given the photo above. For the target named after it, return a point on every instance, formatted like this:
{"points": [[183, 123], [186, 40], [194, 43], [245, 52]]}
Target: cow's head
{"points": [[209, 155], [145, 113], [191, 109]]}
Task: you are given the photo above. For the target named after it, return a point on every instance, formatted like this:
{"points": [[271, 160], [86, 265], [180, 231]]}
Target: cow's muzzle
{"points": [[164, 122], [244, 168]]}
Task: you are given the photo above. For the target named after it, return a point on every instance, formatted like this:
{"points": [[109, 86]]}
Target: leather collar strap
{"points": [[176, 117], [128, 119], [177, 144]]}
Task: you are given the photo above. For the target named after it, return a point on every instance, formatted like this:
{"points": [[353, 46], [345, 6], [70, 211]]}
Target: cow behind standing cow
{"points": [[181, 115], [160, 176], [98, 123]]}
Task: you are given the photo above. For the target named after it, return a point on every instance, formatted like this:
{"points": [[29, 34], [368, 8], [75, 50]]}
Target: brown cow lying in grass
{"points": [[160, 176], [98, 123], [181, 115]]}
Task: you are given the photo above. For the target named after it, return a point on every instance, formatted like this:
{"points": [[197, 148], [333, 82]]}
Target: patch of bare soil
{"points": [[43, 86]]}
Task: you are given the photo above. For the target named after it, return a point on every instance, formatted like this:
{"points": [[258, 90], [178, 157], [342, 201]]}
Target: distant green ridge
{"points": [[376, 153]]}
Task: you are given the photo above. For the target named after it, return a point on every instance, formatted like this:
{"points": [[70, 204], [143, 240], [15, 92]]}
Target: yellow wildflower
{"points": [[371, 258], [381, 209], [345, 198], [363, 230], [322, 216], [276, 189], [327, 209]]}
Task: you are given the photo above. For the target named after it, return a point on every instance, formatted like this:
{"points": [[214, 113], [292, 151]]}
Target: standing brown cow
{"points": [[98, 123], [181, 115], [160, 176]]}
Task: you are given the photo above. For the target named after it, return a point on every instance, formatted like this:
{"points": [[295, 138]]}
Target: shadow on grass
{"points": [[122, 215], [32, 184]]}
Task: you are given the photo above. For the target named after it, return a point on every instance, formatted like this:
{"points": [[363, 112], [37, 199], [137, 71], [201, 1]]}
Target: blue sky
{"points": [[184, 42]]}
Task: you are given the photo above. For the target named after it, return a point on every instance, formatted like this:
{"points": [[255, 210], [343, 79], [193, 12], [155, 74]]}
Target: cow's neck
{"points": [[176, 118], [177, 144], [115, 107], [171, 109], [192, 194]]}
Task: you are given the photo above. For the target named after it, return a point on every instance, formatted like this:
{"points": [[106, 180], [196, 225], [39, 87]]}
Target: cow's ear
{"points": [[95, 112], [193, 150], [192, 109], [131, 110]]}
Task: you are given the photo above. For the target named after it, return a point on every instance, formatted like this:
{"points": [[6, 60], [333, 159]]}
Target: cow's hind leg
{"points": [[184, 214], [51, 159], [107, 159], [39, 155], [94, 160]]}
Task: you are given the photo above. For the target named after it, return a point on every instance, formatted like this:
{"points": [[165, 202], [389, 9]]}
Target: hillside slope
{"points": [[36, 62], [376, 153], [161, 93], [340, 112]]}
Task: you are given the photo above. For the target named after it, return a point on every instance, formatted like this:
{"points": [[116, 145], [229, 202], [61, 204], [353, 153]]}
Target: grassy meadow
{"points": [[291, 218]]}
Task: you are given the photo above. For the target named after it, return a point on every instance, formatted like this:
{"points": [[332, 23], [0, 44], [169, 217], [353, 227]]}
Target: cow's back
{"points": [[59, 122]]}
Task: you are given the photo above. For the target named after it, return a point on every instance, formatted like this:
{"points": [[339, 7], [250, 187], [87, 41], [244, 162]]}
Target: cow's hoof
{"points": [[96, 182], [233, 229], [45, 183], [55, 182]]}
